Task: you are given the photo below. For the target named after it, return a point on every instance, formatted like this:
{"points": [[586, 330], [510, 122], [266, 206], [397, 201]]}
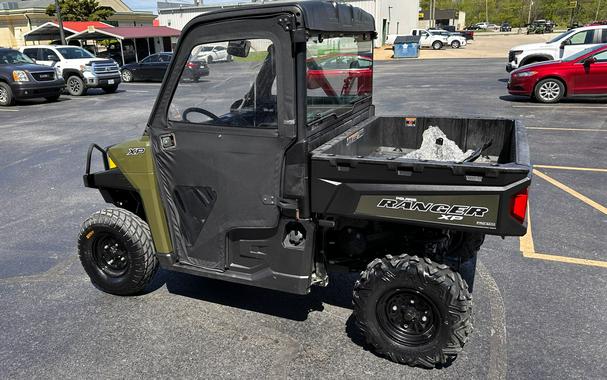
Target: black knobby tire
{"points": [[442, 297], [75, 86], [116, 251], [53, 98], [437, 45], [550, 90], [110, 89], [6, 95]]}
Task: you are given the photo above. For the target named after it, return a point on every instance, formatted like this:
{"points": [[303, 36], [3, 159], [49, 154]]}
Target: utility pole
{"points": [[530, 8], [60, 22], [598, 9], [487, 11]]}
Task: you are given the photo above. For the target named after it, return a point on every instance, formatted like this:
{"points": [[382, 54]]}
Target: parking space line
{"points": [[527, 248], [9, 110], [570, 168], [570, 191], [138, 91], [568, 129], [564, 107]]}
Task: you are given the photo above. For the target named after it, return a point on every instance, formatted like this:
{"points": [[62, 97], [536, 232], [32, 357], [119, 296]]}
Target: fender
{"points": [[541, 57], [69, 72]]}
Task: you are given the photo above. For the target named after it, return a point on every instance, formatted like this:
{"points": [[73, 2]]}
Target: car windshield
{"points": [[74, 53], [582, 53], [13, 57], [560, 36], [340, 74]]}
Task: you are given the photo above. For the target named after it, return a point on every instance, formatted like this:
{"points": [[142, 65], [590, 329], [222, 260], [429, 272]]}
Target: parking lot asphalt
{"points": [[539, 301]]}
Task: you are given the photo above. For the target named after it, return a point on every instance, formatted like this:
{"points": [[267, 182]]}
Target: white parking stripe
{"points": [[564, 107], [8, 110]]}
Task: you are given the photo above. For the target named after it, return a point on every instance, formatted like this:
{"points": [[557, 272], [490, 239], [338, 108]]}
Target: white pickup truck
{"points": [[430, 39], [80, 69], [561, 46]]}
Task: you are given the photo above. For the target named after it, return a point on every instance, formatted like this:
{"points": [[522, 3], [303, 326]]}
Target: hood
{"points": [[536, 46], [84, 61], [31, 67], [537, 65]]}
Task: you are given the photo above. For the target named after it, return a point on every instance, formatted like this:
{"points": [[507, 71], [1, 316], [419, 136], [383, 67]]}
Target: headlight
{"points": [[84, 68], [20, 76], [58, 73], [525, 74]]}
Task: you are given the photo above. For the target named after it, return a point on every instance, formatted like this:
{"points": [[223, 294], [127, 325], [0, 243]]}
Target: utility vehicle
{"points": [[263, 176]]}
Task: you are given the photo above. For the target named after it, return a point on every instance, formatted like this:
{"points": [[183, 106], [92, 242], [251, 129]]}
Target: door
{"points": [[591, 79], [161, 67], [578, 42], [219, 144], [147, 68]]}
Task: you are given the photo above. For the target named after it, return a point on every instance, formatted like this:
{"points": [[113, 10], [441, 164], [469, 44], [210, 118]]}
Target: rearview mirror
{"points": [[239, 48]]}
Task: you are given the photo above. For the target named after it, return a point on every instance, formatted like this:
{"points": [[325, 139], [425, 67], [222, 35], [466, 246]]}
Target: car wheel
{"points": [[229, 58], [209, 59], [53, 98], [456, 44], [127, 75], [413, 310], [6, 95], [549, 90], [75, 86], [116, 251], [437, 45], [110, 89]]}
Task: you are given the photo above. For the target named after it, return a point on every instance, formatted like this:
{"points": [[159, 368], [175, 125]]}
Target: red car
{"points": [[341, 74], [582, 74]]}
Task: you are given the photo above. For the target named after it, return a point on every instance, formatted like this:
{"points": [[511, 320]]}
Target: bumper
{"points": [[29, 90], [521, 86], [92, 81]]}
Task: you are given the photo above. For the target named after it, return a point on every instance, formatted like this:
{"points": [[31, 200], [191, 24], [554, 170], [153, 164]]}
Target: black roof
{"points": [[318, 15]]}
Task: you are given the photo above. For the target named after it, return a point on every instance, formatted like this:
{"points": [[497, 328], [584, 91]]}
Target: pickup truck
{"points": [[429, 38], [565, 44], [284, 175], [80, 69]]}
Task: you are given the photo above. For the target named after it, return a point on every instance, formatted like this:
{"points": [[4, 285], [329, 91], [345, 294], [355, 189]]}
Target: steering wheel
{"points": [[190, 110]]}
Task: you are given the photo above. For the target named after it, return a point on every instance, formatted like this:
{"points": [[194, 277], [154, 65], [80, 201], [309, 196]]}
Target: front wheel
{"points": [[437, 45], [413, 310], [116, 251], [456, 44], [6, 95], [549, 90], [75, 86], [127, 75]]}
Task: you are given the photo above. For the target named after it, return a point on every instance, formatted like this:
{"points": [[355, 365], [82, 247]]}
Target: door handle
{"points": [[168, 141]]}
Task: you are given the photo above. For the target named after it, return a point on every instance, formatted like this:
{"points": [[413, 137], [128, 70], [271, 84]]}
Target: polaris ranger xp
{"points": [[275, 171]]}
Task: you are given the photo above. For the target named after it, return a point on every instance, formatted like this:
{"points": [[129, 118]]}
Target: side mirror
{"points": [[239, 48], [52, 57], [589, 61], [565, 43]]}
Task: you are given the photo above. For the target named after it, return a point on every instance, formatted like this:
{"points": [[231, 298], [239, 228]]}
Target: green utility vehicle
{"points": [[275, 171]]}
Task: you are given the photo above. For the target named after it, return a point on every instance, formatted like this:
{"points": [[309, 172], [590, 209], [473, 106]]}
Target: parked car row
{"points": [[435, 38]]}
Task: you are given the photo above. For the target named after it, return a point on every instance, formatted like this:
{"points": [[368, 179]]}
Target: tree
{"points": [[81, 10]]}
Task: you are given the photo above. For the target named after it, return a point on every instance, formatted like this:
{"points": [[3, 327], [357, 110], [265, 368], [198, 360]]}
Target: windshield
{"points": [[13, 57], [74, 53], [340, 74], [582, 53], [562, 35]]}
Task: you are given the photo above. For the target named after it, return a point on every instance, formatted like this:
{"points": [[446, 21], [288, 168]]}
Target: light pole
{"points": [[60, 22], [530, 8], [598, 9], [487, 11], [389, 18]]}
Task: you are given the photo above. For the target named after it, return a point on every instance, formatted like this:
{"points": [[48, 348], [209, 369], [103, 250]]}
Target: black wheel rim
{"points": [[109, 255], [408, 317]]}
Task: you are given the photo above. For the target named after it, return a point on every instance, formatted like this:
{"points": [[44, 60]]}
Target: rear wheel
{"points": [[455, 44], [549, 90], [413, 310], [6, 95], [110, 89], [127, 75], [75, 86], [116, 251], [437, 45]]}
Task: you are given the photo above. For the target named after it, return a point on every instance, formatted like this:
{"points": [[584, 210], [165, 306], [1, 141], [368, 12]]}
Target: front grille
{"points": [[44, 76], [105, 68]]}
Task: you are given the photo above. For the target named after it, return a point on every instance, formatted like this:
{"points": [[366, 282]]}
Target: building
{"points": [[18, 17], [391, 16], [443, 18]]}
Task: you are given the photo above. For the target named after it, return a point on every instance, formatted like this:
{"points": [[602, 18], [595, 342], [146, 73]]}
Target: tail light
{"points": [[191, 65], [518, 205]]}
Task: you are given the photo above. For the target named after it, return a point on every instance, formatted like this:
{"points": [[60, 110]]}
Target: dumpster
{"points": [[406, 47]]}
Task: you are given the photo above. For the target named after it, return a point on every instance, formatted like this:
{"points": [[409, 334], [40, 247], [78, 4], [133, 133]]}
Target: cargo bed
{"points": [[362, 173]]}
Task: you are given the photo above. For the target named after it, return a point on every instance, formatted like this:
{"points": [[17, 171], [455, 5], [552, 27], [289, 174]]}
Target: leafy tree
{"points": [[81, 10]]}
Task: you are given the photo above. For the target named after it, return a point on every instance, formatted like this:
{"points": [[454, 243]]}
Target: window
{"points": [[231, 94], [12, 57], [32, 53], [582, 38], [601, 57], [340, 74], [150, 59], [47, 55], [604, 38], [164, 58], [74, 53]]}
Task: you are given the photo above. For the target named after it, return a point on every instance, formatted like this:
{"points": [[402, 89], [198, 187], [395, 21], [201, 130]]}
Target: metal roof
{"points": [[125, 33], [50, 30]]}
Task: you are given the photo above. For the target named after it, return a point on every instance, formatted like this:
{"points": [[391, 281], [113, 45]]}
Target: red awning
{"points": [[126, 33]]}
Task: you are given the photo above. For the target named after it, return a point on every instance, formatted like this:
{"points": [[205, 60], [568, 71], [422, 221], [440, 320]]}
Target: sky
{"points": [[150, 5]]}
